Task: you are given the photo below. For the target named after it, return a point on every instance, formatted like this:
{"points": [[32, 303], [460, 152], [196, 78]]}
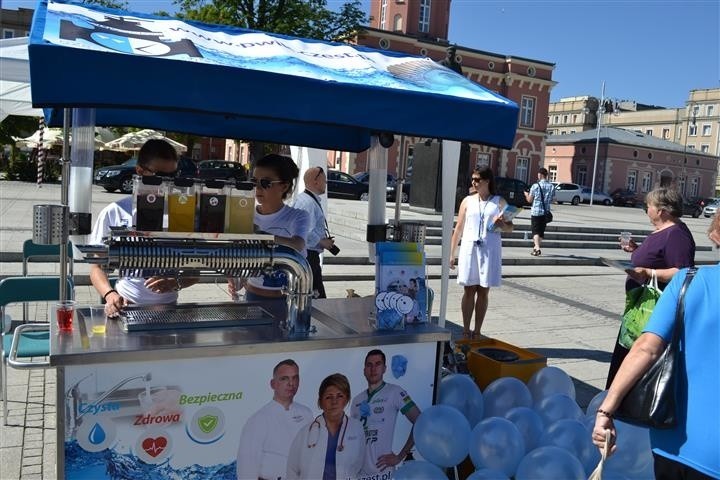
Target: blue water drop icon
{"points": [[96, 435]]}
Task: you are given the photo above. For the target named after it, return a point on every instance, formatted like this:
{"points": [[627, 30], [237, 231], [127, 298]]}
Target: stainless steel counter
{"points": [[339, 323]]}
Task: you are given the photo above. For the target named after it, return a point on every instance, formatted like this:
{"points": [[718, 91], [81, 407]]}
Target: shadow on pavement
{"points": [[598, 355]]}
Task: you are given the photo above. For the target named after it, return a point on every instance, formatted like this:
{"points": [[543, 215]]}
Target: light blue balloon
{"points": [[496, 443], [441, 435], [550, 381], [416, 470], [550, 463], [504, 394], [573, 437], [461, 392], [558, 407], [595, 403], [530, 425], [487, 474], [633, 455]]}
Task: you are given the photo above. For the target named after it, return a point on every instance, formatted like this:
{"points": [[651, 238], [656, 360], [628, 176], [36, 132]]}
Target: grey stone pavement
{"points": [[564, 311]]}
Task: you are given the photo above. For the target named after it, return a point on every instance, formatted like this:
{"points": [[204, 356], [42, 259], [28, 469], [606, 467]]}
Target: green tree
{"points": [[121, 5], [15, 126], [302, 18]]}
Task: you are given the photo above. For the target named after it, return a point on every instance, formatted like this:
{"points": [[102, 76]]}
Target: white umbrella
{"points": [[135, 140], [50, 137], [15, 79]]}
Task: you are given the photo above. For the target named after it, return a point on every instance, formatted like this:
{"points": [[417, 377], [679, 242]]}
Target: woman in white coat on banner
{"points": [[333, 445]]}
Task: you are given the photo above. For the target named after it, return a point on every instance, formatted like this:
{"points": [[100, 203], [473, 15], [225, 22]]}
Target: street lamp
{"points": [[693, 122], [600, 112]]}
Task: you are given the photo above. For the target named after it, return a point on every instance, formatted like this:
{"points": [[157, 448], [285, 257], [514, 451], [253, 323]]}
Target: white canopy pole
{"points": [[450, 161], [377, 167]]}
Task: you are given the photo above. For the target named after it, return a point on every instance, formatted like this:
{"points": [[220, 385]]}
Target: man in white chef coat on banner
{"points": [[266, 437]]}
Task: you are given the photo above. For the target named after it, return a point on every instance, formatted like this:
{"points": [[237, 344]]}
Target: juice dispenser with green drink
{"points": [[149, 203], [181, 205], [211, 211], [241, 209]]}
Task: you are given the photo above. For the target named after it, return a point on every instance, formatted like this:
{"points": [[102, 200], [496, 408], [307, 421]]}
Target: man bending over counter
{"points": [[156, 157]]}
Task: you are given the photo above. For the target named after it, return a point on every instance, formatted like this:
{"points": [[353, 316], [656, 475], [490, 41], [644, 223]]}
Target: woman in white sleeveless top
{"points": [[480, 257]]}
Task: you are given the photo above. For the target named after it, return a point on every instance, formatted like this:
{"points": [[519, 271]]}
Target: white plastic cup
{"points": [[625, 238], [237, 297], [97, 321]]}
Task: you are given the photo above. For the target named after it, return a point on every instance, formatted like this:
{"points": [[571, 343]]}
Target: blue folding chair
{"points": [[30, 339], [33, 250]]}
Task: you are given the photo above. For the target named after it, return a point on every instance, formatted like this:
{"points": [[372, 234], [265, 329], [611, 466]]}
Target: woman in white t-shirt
{"points": [[274, 179]]}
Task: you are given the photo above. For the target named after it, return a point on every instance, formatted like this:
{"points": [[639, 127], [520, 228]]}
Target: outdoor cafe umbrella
{"points": [[50, 137], [135, 140]]}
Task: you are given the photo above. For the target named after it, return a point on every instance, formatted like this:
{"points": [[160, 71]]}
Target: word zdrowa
{"points": [[149, 420], [209, 398]]}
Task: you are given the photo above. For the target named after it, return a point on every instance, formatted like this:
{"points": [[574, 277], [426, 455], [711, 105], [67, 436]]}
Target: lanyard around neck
{"points": [[312, 195], [482, 215]]}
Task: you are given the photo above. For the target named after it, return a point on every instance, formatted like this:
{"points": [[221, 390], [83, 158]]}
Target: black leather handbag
{"points": [[651, 401]]}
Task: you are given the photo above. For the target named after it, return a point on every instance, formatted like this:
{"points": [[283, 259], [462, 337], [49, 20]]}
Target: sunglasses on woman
{"points": [[264, 183], [476, 179]]}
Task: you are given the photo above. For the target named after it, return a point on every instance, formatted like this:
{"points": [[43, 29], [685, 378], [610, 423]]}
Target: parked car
{"points": [[598, 197], [691, 206], [568, 192], [512, 190], [221, 170], [364, 177], [711, 209], [622, 197], [119, 177], [695, 206], [342, 185]]}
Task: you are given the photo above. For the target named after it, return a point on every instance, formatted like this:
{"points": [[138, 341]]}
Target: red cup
{"points": [[65, 311]]}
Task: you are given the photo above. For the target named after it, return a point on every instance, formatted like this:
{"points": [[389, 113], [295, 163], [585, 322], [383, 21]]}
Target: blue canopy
{"points": [[159, 72]]}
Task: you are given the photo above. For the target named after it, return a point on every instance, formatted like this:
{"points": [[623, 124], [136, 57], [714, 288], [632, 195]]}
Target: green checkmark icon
{"points": [[208, 423]]}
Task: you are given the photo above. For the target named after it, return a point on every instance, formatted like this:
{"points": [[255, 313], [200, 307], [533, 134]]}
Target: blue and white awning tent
{"points": [[159, 72], [164, 73]]}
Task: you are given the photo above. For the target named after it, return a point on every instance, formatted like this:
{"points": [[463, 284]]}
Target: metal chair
{"points": [[30, 339], [31, 250]]}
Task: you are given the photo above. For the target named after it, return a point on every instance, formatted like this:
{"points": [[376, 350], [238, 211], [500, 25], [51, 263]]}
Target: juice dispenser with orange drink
{"points": [[181, 205]]}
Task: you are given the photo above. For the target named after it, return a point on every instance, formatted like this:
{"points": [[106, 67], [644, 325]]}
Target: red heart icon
{"points": [[154, 446]]}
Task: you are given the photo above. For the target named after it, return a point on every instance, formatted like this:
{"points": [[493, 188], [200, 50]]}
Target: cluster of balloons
{"points": [[533, 431]]}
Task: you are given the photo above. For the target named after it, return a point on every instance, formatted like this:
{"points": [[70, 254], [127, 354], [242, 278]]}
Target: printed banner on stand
{"points": [[188, 418]]}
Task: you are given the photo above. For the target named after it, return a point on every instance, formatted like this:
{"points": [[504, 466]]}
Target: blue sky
{"points": [[651, 51]]}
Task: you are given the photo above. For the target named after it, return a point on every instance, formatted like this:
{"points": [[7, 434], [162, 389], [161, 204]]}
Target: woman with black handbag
{"points": [[689, 448], [667, 249]]}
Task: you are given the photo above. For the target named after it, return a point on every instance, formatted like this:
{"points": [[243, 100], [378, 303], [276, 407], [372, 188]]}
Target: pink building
{"points": [[628, 159]]}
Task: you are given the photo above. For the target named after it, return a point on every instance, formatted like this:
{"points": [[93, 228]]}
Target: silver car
{"points": [[598, 197], [711, 208]]}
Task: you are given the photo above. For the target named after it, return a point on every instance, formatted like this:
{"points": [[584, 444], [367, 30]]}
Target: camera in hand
{"points": [[334, 250]]}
